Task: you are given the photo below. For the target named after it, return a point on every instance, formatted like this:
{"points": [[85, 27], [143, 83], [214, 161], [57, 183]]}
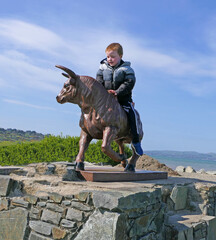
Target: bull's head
{"points": [[68, 92]]}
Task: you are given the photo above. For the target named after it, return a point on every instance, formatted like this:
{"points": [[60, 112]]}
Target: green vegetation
{"points": [[52, 149]]}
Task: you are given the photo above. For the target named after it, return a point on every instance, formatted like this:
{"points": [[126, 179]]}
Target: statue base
{"points": [[110, 174]]}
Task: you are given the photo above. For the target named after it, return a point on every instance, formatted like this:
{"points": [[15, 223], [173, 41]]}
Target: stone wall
{"points": [[158, 212], [87, 215]]}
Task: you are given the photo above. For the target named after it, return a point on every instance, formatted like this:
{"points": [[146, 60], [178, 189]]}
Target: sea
{"points": [[197, 162]]}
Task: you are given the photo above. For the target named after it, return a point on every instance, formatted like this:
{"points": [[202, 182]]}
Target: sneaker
{"points": [[137, 148]]}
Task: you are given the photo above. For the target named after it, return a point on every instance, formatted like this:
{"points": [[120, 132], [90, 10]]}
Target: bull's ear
{"points": [[65, 75], [72, 81]]}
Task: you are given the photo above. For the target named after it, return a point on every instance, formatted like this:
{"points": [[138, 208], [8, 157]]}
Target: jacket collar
{"points": [[116, 66]]}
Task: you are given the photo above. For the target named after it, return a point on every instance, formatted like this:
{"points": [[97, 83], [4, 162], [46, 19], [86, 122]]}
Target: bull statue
{"points": [[102, 117]]}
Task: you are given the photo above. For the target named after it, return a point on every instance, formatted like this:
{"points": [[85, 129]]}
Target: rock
{"points": [[51, 217], [20, 203], [84, 196], [35, 236], [4, 203], [31, 173], [180, 169], [35, 214], [31, 199], [149, 236], [58, 233], [67, 224], [146, 224], [179, 197], [41, 227], [50, 169], [104, 226], [74, 215], [80, 206], [211, 172], [202, 171], [54, 207], [126, 201], [57, 198], [8, 170], [211, 223], [13, 224], [71, 175], [108, 200], [148, 163], [20, 172], [5, 186], [41, 168], [41, 204], [189, 169], [166, 191]]}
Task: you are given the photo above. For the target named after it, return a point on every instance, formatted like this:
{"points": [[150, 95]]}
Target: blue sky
{"points": [[171, 46]]}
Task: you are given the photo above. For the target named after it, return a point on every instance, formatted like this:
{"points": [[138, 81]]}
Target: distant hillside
{"points": [[19, 135], [180, 155]]}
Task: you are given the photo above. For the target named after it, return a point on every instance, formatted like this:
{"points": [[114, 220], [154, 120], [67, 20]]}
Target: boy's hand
{"points": [[112, 92]]}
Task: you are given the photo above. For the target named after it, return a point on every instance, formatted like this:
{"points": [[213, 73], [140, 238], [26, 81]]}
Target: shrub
{"points": [[53, 149]]}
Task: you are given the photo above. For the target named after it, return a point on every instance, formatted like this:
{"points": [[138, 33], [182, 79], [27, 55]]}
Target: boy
{"points": [[118, 78]]}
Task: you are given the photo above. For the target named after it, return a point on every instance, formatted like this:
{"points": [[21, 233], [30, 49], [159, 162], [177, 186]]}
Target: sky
{"points": [[171, 46]]}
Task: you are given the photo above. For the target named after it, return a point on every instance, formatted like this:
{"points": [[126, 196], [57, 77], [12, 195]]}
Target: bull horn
{"points": [[68, 71]]}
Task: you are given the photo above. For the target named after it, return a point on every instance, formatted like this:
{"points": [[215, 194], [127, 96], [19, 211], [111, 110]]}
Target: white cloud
{"points": [[83, 49], [27, 104], [29, 35], [18, 69], [74, 112]]}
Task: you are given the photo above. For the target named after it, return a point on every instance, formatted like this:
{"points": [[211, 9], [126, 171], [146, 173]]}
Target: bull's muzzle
{"points": [[59, 99]]}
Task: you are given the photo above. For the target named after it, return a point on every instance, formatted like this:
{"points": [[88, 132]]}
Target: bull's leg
{"points": [[109, 134], [124, 160], [84, 141]]}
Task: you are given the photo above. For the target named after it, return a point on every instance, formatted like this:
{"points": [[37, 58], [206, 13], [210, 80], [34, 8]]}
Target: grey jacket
{"points": [[120, 78]]}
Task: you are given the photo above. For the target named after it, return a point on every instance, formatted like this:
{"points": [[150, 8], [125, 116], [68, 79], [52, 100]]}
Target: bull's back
{"points": [[105, 111]]}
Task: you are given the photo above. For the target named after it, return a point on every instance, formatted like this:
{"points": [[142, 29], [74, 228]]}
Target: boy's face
{"points": [[113, 58]]}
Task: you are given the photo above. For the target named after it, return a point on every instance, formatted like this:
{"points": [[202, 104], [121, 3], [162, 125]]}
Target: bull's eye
{"points": [[67, 88]]}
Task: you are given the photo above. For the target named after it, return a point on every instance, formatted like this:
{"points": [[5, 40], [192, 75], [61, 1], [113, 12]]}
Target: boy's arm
{"points": [[128, 84], [99, 76]]}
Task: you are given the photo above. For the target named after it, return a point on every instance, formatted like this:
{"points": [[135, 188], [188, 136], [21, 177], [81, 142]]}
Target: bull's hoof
{"points": [[79, 166], [124, 160], [124, 163], [129, 168]]}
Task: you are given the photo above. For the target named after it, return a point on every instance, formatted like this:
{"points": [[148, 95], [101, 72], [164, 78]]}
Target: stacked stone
{"points": [[181, 211], [87, 215], [190, 211], [48, 217]]}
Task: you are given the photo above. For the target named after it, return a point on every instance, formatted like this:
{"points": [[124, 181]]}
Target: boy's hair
{"points": [[115, 47]]}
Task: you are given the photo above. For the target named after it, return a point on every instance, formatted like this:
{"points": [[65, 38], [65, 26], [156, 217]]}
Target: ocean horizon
{"points": [[196, 160]]}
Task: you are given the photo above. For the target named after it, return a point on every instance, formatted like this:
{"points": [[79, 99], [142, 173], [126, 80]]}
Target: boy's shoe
{"points": [[129, 168], [79, 166], [137, 148]]}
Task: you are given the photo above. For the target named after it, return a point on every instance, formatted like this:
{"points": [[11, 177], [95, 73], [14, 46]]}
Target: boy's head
{"points": [[114, 54]]}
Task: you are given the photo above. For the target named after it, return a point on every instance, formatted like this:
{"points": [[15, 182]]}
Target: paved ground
{"points": [[39, 184]]}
